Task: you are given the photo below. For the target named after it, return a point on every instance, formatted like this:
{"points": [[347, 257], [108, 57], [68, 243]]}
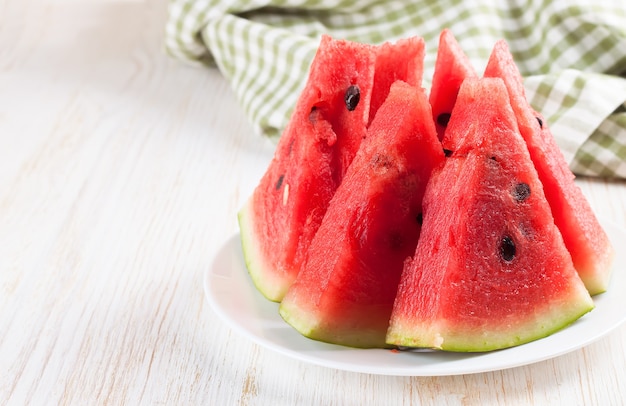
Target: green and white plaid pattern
{"points": [[571, 53]]}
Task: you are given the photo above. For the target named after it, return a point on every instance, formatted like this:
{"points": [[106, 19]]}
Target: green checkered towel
{"points": [[571, 53]]}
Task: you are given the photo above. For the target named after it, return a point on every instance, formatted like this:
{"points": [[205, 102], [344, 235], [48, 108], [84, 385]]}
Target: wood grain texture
{"points": [[120, 176]]}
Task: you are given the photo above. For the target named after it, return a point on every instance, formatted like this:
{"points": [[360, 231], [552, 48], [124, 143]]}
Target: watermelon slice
{"points": [[451, 68], [585, 239], [329, 121], [345, 291], [490, 270]]}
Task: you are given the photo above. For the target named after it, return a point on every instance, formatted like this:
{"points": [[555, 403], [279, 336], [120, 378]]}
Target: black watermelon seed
{"points": [[447, 152], [352, 97], [493, 158], [419, 218], [507, 248], [521, 191], [540, 121], [443, 119], [279, 182]]}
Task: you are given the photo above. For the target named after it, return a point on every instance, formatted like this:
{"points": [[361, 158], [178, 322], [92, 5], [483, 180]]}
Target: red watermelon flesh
{"points": [[326, 128], [585, 239], [490, 270], [403, 60], [451, 68], [346, 289]]}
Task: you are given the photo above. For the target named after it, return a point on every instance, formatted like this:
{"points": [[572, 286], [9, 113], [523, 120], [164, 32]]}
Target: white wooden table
{"points": [[120, 176]]}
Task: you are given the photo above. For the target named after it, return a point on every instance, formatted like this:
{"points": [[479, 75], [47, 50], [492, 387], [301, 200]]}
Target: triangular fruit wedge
{"points": [[451, 68], [584, 237], [327, 125], [490, 270], [346, 289]]}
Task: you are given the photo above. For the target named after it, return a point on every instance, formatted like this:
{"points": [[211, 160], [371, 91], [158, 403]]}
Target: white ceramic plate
{"points": [[234, 298]]}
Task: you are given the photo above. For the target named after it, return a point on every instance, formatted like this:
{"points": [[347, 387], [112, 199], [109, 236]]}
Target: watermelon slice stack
{"points": [[346, 288], [491, 270], [370, 236], [326, 128]]}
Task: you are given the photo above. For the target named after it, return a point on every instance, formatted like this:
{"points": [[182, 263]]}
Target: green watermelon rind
{"points": [[260, 272], [311, 327], [478, 340], [301, 321]]}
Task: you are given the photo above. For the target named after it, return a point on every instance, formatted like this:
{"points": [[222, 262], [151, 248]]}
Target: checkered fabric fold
{"points": [[571, 53]]}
